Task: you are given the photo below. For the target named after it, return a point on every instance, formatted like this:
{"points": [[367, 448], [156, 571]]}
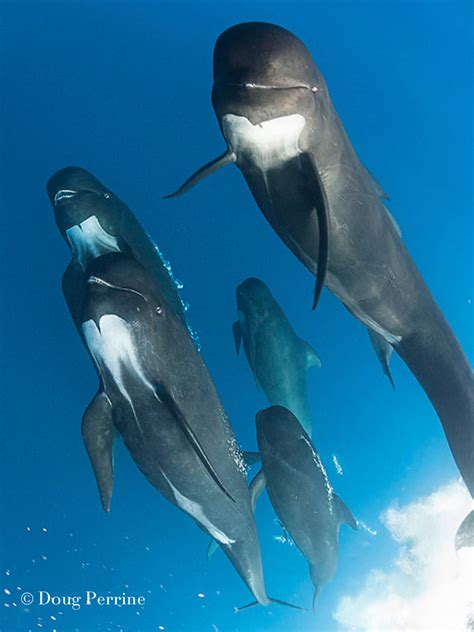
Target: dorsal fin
{"points": [[312, 358], [344, 514]]}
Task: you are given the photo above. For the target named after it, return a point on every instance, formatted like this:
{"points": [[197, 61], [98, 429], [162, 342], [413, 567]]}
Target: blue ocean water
{"points": [[122, 88]]}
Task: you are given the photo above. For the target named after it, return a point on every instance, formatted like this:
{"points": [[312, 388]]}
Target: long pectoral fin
{"points": [[237, 331], [256, 488], [98, 435], [227, 158], [343, 513], [166, 398], [384, 351], [317, 199]]}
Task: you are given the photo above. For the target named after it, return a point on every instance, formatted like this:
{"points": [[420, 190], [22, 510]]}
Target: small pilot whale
{"points": [[300, 492], [282, 131], [278, 358], [93, 221], [156, 393]]}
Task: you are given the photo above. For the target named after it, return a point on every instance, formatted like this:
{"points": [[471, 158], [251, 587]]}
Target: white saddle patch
{"points": [[113, 350], [89, 240], [267, 144], [195, 510]]}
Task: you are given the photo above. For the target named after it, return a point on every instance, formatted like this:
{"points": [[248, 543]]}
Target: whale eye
{"points": [[159, 310], [106, 195], [314, 88]]}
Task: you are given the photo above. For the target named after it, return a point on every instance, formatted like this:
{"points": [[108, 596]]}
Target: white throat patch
{"points": [[112, 348], [268, 144], [89, 240]]}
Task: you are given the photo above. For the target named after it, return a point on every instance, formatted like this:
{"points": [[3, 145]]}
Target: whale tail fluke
{"points": [[465, 533], [280, 602]]}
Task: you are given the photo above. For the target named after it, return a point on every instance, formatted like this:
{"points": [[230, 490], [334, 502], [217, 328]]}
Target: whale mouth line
{"points": [[263, 86], [64, 194], [95, 280]]}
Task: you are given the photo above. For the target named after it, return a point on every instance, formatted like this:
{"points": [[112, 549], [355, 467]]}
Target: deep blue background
{"points": [[123, 89]]}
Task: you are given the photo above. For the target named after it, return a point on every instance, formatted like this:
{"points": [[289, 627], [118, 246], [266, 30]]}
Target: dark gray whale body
{"points": [[276, 115], [300, 492], [155, 391], [94, 221], [279, 359]]}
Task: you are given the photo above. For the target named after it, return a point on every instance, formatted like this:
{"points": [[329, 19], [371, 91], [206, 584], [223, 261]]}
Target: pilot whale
{"points": [[156, 393], [300, 492], [278, 358], [283, 133], [94, 221]]}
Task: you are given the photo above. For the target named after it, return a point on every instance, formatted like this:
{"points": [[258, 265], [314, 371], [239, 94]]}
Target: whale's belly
{"points": [[113, 349]]}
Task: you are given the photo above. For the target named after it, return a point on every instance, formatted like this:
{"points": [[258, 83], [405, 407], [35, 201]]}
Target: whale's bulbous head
{"points": [[77, 195], [117, 284], [252, 291], [72, 180], [263, 54], [277, 429]]}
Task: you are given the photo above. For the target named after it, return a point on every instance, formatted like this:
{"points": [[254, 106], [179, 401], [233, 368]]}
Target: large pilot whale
{"points": [[283, 133], [300, 492], [156, 393], [278, 358], [94, 221]]}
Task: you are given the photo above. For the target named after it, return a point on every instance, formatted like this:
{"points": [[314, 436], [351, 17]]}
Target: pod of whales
{"points": [[155, 393], [283, 133], [154, 389], [300, 492]]}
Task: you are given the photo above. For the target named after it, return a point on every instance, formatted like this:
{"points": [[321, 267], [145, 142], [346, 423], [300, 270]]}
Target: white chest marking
{"points": [[268, 144], [195, 510], [113, 350], [89, 240]]}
